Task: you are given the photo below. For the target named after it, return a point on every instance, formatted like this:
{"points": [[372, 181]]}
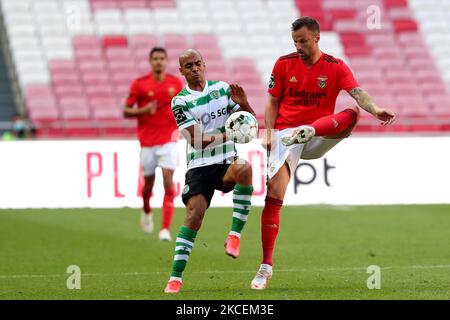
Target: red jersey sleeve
{"points": [[133, 95], [276, 83], [346, 80]]}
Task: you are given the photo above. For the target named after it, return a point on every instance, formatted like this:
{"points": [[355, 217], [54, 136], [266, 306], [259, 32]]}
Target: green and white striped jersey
{"points": [[209, 110]]}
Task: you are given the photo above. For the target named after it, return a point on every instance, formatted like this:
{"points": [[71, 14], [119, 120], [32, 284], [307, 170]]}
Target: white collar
{"points": [[194, 92]]}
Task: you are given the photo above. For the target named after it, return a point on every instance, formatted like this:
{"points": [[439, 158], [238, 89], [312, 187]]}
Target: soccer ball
{"points": [[241, 127]]}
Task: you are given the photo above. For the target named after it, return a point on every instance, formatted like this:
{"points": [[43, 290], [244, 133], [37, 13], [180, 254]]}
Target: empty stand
{"points": [[75, 71]]}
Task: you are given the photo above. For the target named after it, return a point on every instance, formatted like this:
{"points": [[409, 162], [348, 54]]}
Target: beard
{"points": [[303, 55]]}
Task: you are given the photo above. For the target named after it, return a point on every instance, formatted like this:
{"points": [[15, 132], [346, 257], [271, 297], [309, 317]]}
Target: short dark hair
{"points": [[157, 49], [308, 22]]}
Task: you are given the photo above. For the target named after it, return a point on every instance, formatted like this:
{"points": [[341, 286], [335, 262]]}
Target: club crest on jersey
{"points": [[171, 91], [186, 189], [322, 82], [150, 93], [215, 94]]}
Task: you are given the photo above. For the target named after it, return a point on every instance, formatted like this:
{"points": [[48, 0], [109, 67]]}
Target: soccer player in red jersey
{"points": [[157, 133], [301, 123]]}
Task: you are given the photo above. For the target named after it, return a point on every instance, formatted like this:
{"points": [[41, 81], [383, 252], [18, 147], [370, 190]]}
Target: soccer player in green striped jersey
{"points": [[200, 111]]}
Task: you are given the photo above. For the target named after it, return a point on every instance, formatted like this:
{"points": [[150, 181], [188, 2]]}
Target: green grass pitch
{"points": [[322, 252]]}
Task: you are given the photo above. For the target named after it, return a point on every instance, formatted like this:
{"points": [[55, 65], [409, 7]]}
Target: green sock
{"points": [[242, 196], [183, 247]]}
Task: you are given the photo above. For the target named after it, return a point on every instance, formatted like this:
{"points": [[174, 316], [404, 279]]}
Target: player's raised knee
{"points": [[356, 110], [244, 174]]}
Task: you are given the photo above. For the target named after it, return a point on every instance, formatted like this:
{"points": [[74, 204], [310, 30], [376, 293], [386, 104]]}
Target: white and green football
{"points": [[242, 127]]}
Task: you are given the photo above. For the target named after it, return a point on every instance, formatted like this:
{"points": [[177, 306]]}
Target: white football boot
{"points": [[264, 273], [301, 134], [164, 235], [147, 222]]}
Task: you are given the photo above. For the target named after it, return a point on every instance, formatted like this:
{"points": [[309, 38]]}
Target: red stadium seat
{"points": [[395, 3], [114, 41], [403, 25]]}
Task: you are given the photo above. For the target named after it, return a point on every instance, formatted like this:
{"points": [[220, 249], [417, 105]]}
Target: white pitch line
{"points": [[120, 274]]}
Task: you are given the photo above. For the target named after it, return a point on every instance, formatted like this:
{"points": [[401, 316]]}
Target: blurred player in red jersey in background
{"points": [[157, 133], [301, 123]]}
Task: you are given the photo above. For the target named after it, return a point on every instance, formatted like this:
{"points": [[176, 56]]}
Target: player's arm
{"points": [[270, 115], [239, 97], [190, 129], [199, 140], [133, 97], [366, 102], [130, 112]]}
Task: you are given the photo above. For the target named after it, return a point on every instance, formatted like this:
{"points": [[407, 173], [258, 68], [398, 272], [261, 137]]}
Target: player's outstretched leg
{"points": [[301, 134], [337, 125], [183, 247]]}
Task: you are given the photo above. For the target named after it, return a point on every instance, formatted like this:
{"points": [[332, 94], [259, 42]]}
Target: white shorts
{"points": [[313, 149], [163, 156]]}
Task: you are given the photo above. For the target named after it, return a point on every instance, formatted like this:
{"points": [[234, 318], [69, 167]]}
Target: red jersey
{"points": [[308, 93], [157, 128]]}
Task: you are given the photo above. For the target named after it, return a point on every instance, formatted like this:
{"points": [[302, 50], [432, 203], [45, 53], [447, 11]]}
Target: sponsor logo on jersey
{"points": [[293, 79], [322, 81]]}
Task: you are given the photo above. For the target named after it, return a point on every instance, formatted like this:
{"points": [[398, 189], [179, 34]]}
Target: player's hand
{"points": [[238, 94], [150, 108], [386, 116]]}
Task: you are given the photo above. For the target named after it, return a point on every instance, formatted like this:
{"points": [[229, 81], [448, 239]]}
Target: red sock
{"points": [[270, 224], [146, 202], [168, 208], [335, 123]]}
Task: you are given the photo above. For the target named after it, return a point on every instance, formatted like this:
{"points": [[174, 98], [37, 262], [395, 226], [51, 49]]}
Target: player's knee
{"points": [[274, 190], [355, 109], [195, 211], [245, 173]]}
